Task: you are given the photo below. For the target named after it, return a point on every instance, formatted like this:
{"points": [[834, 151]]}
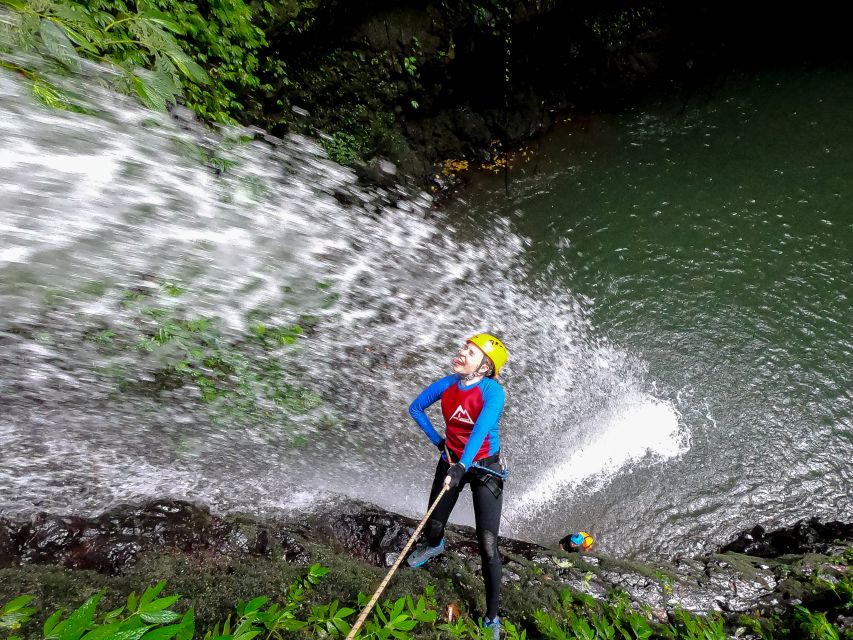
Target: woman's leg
{"points": [[487, 515], [434, 530]]}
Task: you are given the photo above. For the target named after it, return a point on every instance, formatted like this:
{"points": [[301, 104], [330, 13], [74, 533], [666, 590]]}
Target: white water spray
{"points": [[639, 428], [96, 210]]}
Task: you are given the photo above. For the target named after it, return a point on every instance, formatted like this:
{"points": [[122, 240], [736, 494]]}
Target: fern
{"points": [[161, 48]]}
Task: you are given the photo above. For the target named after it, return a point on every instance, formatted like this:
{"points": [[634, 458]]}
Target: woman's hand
{"points": [[454, 475]]}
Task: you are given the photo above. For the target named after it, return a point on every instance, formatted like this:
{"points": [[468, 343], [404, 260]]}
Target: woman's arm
{"points": [[428, 396]]}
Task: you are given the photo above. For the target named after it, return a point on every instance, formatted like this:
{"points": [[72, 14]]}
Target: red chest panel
{"points": [[461, 408]]}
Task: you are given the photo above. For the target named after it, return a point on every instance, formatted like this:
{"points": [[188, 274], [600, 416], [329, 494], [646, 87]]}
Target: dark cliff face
{"points": [[421, 82], [217, 560]]}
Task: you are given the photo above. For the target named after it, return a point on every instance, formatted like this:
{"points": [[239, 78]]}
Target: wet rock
{"points": [[114, 541], [527, 117], [509, 576], [844, 623], [810, 536], [367, 534], [290, 549], [47, 539], [728, 582], [378, 171], [8, 548]]}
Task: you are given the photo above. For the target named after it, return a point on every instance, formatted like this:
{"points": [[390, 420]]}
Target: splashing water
{"points": [[145, 263], [640, 427]]}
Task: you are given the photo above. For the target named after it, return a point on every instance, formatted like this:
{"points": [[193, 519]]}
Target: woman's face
{"points": [[468, 360]]}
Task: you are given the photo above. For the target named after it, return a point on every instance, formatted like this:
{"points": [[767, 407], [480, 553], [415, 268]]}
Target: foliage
{"points": [[584, 618], [151, 617], [614, 30], [357, 97], [298, 65], [227, 42], [163, 50], [16, 613], [814, 625], [693, 628], [155, 616], [243, 379], [665, 583], [342, 147]]}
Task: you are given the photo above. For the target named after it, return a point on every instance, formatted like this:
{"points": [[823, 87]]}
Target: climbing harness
{"points": [[503, 474]]}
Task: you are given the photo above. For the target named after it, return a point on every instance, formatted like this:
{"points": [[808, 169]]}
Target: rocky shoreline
{"points": [[216, 560]]}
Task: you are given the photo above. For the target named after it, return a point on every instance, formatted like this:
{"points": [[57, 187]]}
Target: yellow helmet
{"points": [[493, 348]]}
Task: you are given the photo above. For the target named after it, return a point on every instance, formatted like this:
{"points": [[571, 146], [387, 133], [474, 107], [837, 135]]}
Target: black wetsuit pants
{"points": [[487, 491]]}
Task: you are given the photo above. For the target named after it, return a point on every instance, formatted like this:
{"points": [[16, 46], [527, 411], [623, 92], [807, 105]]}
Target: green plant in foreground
{"points": [[162, 49], [690, 627], [814, 625], [129, 622], [152, 616], [139, 41], [16, 613]]}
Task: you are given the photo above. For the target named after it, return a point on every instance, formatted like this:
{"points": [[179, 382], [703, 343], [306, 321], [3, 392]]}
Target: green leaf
{"points": [[160, 617], [58, 45], [16, 604], [77, 622], [80, 40], [76, 14], [145, 85], [246, 624], [50, 623], [380, 615], [49, 95], [163, 633], [159, 604], [188, 66], [316, 571], [163, 20], [254, 605], [131, 634], [342, 625], [104, 631], [111, 615], [425, 616], [404, 623], [17, 5], [187, 630], [12, 620], [398, 609], [292, 624], [151, 593]]}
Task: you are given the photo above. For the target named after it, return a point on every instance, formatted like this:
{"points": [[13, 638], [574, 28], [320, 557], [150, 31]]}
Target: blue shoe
{"points": [[423, 553], [494, 625]]}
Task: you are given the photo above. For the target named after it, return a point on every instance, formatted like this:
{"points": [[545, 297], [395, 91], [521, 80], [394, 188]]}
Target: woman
{"points": [[471, 403]]}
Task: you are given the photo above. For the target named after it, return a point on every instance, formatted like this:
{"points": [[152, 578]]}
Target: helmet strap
{"points": [[476, 374]]}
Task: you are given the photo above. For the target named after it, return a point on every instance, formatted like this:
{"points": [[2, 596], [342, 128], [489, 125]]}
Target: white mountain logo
{"points": [[461, 415]]}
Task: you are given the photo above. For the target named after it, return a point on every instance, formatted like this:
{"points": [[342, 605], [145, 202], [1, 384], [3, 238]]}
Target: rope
{"points": [[393, 569]]}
